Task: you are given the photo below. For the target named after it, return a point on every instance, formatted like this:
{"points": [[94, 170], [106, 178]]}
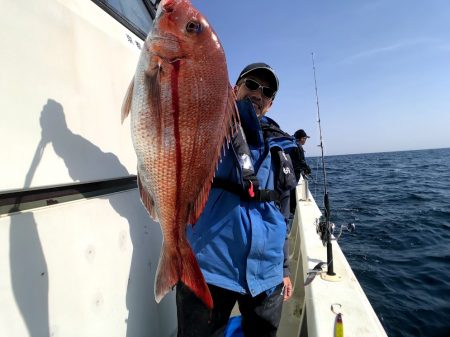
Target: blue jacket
{"points": [[239, 244]]}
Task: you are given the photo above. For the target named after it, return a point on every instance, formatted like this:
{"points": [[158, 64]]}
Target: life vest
{"points": [[273, 139]]}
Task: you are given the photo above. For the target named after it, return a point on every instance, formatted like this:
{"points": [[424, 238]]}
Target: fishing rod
{"points": [[325, 226]]}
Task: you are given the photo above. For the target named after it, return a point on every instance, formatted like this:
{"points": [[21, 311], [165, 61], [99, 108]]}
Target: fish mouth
{"points": [[164, 38], [171, 52]]}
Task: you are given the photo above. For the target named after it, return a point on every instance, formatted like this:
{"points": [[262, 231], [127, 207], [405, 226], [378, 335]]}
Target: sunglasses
{"points": [[253, 86]]}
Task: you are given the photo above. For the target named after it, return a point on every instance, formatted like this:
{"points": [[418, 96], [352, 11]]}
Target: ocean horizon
{"points": [[315, 156]]}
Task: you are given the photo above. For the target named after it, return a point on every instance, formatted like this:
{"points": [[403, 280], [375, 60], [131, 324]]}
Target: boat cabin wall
{"points": [[66, 66], [82, 267]]}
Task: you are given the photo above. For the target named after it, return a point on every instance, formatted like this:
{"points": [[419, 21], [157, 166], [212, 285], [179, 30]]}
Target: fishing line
{"points": [[316, 179], [320, 129], [325, 226]]}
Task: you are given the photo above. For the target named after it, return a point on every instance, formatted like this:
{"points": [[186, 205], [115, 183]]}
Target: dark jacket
{"points": [[299, 161]]}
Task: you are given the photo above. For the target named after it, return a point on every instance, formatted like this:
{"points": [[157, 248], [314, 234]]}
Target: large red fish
{"points": [[182, 110]]}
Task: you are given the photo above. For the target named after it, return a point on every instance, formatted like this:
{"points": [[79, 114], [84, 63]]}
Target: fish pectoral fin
{"points": [[153, 81], [126, 105], [147, 200]]}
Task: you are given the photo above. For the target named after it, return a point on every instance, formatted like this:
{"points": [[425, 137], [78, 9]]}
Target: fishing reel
{"points": [[322, 227], [325, 228]]}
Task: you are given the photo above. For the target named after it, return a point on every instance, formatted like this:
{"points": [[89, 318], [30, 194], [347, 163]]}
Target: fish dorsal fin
{"points": [[147, 200], [126, 105], [231, 122]]}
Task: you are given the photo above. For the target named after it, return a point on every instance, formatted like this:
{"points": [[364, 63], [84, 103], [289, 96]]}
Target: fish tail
{"points": [[174, 267], [193, 278], [167, 274]]}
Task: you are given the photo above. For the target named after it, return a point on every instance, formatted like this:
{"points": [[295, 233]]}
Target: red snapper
{"points": [[182, 109]]}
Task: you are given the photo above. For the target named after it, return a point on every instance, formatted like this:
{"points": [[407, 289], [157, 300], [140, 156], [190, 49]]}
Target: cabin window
{"points": [[136, 15]]}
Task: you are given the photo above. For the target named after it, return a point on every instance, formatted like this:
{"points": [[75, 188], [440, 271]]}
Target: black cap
{"points": [[260, 67], [300, 134]]}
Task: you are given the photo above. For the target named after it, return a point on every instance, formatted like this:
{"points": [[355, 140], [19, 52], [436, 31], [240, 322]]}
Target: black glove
{"points": [[307, 171], [250, 184]]}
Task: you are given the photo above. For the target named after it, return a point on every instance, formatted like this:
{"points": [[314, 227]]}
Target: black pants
{"points": [[260, 315]]}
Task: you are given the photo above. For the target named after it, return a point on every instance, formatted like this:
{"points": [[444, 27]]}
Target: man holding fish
{"points": [[223, 242], [238, 240]]}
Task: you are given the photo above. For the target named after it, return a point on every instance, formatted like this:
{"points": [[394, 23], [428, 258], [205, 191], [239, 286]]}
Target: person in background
{"points": [[300, 165], [240, 239], [300, 168]]}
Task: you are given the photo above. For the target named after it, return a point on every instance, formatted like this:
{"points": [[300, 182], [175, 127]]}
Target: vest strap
{"points": [[261, 195]]}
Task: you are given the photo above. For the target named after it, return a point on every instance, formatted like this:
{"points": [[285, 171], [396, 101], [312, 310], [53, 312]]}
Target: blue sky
{"points": [[382, 66]]}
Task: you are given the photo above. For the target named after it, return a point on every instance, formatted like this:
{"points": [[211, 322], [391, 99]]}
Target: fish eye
{"points": [[194, 27]]}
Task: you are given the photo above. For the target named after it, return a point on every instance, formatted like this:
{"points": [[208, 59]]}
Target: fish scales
{"points": [[182, 109]]}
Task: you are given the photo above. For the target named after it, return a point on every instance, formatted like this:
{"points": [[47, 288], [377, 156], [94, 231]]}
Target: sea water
{"points": [[400, 252]]}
